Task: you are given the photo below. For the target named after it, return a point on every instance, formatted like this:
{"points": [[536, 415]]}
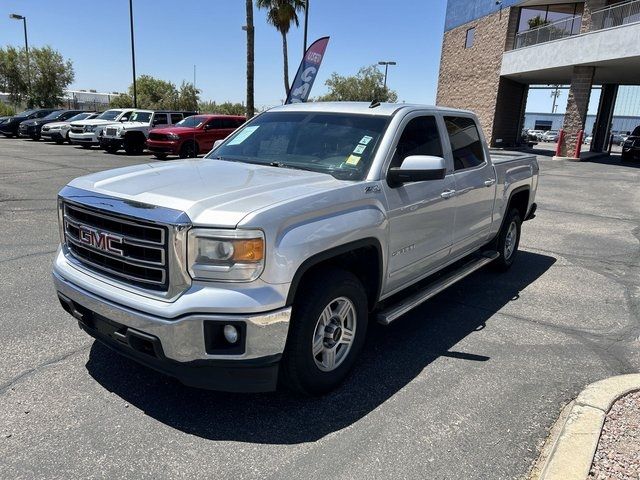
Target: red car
{"points": [[191, 136]]}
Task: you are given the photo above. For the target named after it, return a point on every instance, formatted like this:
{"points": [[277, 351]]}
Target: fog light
{"points": [[230, 333]]}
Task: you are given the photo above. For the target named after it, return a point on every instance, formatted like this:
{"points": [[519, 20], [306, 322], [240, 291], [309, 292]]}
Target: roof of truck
{"points": [[385, 109]]}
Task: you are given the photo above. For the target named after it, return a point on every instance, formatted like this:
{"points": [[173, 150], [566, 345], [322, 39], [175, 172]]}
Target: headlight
{"points": [[225, 255], [173, 136], [58, 127], [90, 128]]}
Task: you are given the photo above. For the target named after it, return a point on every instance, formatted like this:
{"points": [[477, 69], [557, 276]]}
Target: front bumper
{"points": [[52, 134], [86, 138], [110, 142], [29, 131], [181, 345], [163, 146]]}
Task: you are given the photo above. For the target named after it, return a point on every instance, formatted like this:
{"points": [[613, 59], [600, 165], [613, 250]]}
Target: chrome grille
{"points": [[111, 132], [137, 253]]}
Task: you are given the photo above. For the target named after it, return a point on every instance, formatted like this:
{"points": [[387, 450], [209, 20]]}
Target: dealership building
{"points": [[493, 51]]}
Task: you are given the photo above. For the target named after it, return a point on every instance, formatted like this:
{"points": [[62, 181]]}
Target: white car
{"points": [[59, 131], [87, 132], [132, 135]]}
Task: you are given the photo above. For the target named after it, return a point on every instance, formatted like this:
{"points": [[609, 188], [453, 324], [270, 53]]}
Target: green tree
{"points": [[366, 86], [281, 14], [157, 94], [226, 108], [51, 74], [188, 97], [124, 100], [13, 74], [6, 110]]}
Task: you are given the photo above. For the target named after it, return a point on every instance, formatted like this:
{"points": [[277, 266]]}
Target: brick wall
{"points": [[469, 77], [577, 106]]}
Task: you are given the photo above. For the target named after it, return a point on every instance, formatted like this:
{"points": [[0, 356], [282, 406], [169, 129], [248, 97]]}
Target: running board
{"points": [[393, 312]]}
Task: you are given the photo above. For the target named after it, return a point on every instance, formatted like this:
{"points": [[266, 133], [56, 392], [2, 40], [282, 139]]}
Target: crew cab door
{"points": [[421, 214], [475, 181]]}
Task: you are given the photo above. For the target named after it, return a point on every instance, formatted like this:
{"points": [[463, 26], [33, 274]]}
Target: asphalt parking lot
{"points": [[465, 387]]}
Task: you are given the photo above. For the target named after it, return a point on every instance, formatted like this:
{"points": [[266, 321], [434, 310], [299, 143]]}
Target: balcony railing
{"points": [[552, 31], [616, 15]]}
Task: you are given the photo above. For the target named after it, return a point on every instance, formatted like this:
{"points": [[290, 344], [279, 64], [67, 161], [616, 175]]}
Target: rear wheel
{"points": [[188, 150], [508, 241], [328, 328], [111, 148]]}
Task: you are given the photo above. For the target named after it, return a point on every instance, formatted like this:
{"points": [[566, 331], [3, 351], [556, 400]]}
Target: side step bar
{"points": [[393, 312]]}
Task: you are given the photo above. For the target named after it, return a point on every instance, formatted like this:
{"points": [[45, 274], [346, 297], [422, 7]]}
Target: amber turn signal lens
{"points": [[248, 250]]}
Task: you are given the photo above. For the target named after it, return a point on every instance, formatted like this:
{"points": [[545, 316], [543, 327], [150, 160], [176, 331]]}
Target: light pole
{"points": [[133, 56], [386, 68], [306, 22], [26, 48]]}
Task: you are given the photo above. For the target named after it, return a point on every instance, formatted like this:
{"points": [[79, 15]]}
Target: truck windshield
{"points": [[144, 117], [339, 144], [191, 122], [109, 115]]}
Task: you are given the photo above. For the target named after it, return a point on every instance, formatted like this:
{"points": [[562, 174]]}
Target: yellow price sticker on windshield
{"points": [[352, 160]]}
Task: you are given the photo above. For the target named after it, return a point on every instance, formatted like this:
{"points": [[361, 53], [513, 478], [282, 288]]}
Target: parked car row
{"points": [[162, 132]]}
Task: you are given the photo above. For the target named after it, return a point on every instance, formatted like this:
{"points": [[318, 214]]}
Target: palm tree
{"points": [[281, 14], [250, 62]]}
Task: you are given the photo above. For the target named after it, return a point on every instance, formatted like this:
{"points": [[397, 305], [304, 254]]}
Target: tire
{"points": [[133, 146], [160, 156], [67, 139], [318, 304], [111, 149], [59, 142], [508, 241], [188, 150], [35, 138]]}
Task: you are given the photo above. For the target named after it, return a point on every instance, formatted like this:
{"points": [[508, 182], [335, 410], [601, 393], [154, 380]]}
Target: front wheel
{"points": [[327, 332], [508, 241], [160, 156], [188, 150]]}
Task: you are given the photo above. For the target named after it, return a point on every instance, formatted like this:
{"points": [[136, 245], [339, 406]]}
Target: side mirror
{"points": [[417, 168], [217, 143]]}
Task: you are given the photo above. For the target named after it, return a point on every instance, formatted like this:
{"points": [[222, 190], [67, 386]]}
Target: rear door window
{"points": [[466, 145], [216, 123], [175, 118]]}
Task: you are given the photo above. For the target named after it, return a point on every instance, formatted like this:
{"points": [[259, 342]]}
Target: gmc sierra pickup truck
{"points": [[262, 263]]}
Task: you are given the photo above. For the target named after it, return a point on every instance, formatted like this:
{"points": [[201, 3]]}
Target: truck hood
{"points": [[127, 125], [93, 121], [214, 193]]}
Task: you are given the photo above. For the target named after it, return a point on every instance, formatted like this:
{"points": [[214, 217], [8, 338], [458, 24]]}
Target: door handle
{"points": [[448, 194], [488, 183]]}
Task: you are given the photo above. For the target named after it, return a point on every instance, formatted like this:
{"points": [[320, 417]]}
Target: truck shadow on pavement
{"points": [[393, 356]]}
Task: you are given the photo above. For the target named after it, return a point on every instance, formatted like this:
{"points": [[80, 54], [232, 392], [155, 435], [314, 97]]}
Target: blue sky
{"points": [[172, 36]]}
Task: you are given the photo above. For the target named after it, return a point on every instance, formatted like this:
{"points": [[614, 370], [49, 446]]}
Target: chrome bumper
{"points": [[182, 338]]}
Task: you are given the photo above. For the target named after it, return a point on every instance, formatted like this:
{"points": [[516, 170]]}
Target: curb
{"points": [[573, 451]]}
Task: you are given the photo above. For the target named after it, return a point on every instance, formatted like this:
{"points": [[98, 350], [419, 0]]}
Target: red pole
{"points": [[560, 139], [579, 144]]}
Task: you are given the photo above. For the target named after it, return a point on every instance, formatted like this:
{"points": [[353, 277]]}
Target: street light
{"points": [[133, 56], [386, 67], [15, 16]]}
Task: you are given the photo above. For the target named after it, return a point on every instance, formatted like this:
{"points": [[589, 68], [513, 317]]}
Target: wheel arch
{"points": [[348, 257]]}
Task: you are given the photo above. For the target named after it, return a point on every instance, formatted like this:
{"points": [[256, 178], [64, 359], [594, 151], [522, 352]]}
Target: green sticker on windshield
{"points": [[243, 135], [359, 149]]}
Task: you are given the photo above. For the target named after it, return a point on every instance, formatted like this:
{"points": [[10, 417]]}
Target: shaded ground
{"points": [[464, 387]]}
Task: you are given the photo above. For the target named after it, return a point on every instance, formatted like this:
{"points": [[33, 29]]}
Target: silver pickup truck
{"points": [[263, 263]]}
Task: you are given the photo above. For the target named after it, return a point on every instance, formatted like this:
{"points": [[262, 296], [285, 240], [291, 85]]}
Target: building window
{"points": [[471, 35]]}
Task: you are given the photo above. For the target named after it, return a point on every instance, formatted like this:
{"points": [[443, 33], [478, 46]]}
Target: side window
{"points": [[216, 123], [466, 145], [420, 137], [175, 118], [228, 123], [160, 119]]}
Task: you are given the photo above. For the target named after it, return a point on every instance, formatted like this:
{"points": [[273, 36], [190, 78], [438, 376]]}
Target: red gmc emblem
{"points": [[107, 242]]}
